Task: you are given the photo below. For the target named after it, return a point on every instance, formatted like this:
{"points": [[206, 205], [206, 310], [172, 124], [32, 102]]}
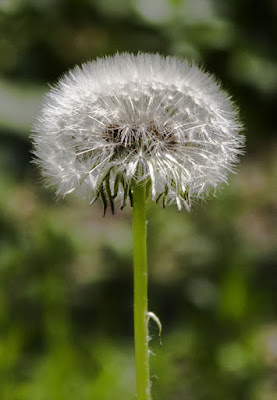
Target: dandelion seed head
{"points": [[137, 118]]}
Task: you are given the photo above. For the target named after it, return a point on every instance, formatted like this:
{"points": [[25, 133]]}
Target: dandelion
{"points": [[122, 127], [137, 118]]}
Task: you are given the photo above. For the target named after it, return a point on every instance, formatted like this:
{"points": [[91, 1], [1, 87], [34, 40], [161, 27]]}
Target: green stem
{"points": [[140, 293]]}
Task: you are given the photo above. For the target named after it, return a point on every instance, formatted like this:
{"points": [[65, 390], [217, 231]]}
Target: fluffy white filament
{"points": [[142, 117]]}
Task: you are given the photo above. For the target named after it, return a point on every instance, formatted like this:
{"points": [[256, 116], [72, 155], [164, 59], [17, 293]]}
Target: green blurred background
{"points": [[66, 328]]}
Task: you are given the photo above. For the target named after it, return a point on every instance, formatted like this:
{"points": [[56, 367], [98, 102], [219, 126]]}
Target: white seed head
{"points": [[137, 118]]}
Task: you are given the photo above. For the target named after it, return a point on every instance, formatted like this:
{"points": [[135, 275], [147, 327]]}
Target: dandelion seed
{"points": [[137, 118]]}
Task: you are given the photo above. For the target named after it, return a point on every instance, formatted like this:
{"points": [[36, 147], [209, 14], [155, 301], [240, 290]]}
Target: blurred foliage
{"points": [[65, 272]]}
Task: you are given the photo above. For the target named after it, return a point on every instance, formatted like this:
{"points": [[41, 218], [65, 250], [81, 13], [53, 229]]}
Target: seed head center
{"points": [[136, 138]]}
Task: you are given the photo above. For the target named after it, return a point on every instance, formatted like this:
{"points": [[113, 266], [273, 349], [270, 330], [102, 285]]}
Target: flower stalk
{"points": [[140, 293]]}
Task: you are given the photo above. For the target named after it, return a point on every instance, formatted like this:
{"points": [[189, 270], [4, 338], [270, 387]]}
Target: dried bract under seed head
{"points": [[137, 118]]}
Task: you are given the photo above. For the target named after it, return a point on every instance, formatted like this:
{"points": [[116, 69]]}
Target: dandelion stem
{"points": [[140, 293]]}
